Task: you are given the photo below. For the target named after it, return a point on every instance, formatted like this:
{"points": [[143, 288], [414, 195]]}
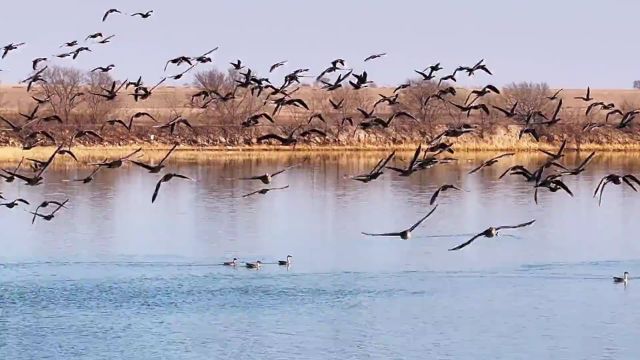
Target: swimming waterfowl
{"points": [[405, 234], [233, 262], [254, 265], [285, 262], [489, 233], [623, 279]]}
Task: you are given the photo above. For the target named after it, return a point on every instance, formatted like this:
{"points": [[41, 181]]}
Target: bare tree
{"points": [[529, 96], [98, 107], [227, 112], [64, 87]]}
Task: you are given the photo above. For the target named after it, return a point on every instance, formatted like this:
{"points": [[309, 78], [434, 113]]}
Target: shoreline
{"points": [[14, 153]]}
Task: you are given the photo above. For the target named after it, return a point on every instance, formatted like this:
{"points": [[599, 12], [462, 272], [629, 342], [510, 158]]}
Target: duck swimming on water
{"points": [[254, 265], [623, 279], [285, 262], [233, 262]]}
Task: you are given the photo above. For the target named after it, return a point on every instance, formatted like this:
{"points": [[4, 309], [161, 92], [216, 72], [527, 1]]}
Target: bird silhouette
{"points": [[491, 232], [404, 234], [166, 178]]}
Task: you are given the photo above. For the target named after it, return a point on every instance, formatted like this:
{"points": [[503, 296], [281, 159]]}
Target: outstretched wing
{"points": [[515, 226], [156, 191], [423, 219], [501, 156], [169, 153], [250, 194], [435, 196], [143, 165], [467, 243], [383, 234]]}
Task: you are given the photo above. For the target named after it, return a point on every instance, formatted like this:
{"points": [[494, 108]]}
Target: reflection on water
{"points": [[116, 272]]}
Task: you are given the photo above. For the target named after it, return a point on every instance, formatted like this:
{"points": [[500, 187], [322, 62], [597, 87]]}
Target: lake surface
{"points": [[116, 277]]}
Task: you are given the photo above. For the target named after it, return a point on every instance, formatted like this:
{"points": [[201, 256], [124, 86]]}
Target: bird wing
{"points": [[60, 206], [600, 184], [382, 163], [515, 226], [49, 161], [169, 153], [477, 168], [251, 193], [383, 234], [130, 155], [467, 243], [627, 180], [155, 192], [415, 157], [435, 196], [563, 186], [501, 156], [143, 165], [586, 161], [423, 219]]}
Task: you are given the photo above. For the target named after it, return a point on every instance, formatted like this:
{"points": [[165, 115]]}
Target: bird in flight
{"points": [[267, 178], [405, 234], [144, 15], [265, 191], [50, 216], [615, 180], [375, 172], [164, 179], [154, 169], [109, 12], [489, 233], [490, 162], [374, 56], [442, 188]]}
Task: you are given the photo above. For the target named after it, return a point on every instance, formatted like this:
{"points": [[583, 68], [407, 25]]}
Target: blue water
{"points": [[114, 277]]}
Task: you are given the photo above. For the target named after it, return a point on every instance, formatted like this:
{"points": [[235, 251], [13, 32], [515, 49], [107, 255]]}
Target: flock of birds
{"points": [[281, 97]]}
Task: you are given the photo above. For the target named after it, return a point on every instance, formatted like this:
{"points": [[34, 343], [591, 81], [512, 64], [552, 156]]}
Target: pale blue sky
{"points": [[568, 43]]}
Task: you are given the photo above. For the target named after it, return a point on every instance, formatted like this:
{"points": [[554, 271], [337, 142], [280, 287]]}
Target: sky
{"points": [[568, 43]]}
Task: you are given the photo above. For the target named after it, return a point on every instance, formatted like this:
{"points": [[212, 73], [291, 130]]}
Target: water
{"points": [[115, 277]]}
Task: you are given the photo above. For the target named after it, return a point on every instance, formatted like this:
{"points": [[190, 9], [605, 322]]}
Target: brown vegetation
{"points": [[217, 116]]}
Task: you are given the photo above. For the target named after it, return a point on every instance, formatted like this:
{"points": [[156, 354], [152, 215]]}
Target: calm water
{"points": [[115, 277]]}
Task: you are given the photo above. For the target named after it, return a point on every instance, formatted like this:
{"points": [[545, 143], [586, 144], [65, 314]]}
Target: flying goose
{"points": [[489, 233], [109, 12], [114, 164], [586, 98], [442, 188], [375, 172], [267, 178], [264, 191], [374, 56], [411, 167], [50, 216], [164, 179], [490, 162], [615, 180], [405, 234], [154, 169], [14, 203]]}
